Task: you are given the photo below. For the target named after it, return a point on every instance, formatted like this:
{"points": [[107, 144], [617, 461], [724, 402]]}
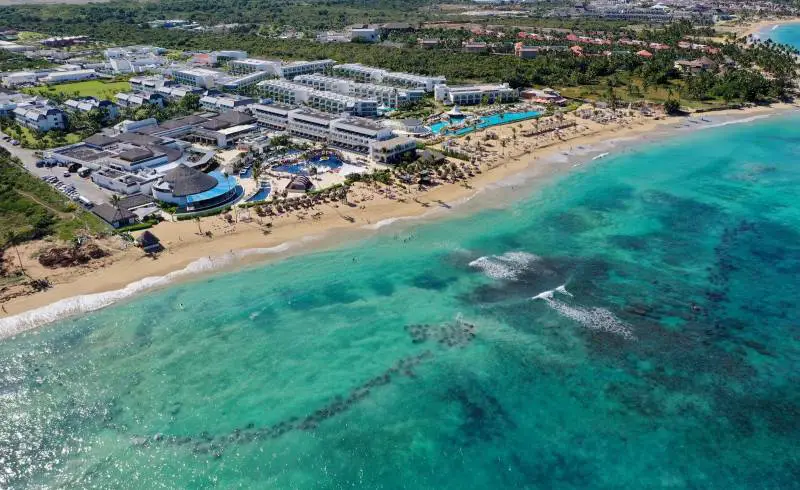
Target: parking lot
{"points": [[83, 186]]}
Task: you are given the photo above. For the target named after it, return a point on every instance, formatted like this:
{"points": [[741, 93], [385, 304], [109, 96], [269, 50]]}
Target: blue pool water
{"points": [[262, 194], [330, 162], [438, 126], [485, 122], [224, 184], [322, 163], [294, 168]]}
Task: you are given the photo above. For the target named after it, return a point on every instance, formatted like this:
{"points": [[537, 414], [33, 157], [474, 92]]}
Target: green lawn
{"points": [[29, 36], [28, 138], [657, 94], [90, 88]]}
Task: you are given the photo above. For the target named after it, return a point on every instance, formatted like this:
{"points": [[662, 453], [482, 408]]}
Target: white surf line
{"points": [[591, 318], [86, 303]]}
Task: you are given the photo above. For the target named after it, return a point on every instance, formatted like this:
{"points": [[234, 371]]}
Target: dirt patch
{"points": [[71, 256]]}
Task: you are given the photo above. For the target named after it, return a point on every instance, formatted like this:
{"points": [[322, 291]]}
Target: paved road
{"points": [[85, 187]]}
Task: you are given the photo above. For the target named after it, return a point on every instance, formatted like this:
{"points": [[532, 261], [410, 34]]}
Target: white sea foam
{"points": [[388, 221], [563, 290], [15, 324], [735, 121], [592, 318], [507, 266], [602, 155]]}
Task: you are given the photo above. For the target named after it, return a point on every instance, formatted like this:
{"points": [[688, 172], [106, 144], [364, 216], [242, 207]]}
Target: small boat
{"points": [[602, 155]]}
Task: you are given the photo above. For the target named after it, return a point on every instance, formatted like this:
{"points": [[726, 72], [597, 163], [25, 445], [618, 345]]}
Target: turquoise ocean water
{"points": [[784, 34], [634, 324]]}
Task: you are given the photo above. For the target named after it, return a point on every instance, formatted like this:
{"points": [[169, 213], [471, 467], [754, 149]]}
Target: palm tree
{"points": [[11, 240], [258, 170], [115, 200]]}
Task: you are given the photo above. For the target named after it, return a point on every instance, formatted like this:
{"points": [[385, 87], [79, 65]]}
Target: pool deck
{"points": [[440, 127]]}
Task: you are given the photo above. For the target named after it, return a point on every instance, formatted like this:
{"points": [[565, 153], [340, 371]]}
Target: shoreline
{"points": [[188, 255], [761, 26]]}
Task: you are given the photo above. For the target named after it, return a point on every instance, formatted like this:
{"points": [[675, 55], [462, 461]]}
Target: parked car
{"points": [[15, 142], [66, 174]]}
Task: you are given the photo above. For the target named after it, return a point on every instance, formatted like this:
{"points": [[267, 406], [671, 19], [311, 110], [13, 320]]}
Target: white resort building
{"points": [[385, 95], [475, 94], [197, 77], [40, 116], [369, 74], [392, 149], [297, 94]]}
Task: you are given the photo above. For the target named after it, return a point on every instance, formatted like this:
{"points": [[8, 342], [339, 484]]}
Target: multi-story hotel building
{"points": [[475, 94]]}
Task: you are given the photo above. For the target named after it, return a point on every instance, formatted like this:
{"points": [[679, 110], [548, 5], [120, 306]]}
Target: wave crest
{"points": [[592, 318], [507, 266], [86, 303]]}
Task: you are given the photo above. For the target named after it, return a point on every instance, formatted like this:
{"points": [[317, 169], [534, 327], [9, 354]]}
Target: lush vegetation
{"points": [[98, 89], [18, 62], [32, 209], [37, 140], [119, 14], [752, 74]]}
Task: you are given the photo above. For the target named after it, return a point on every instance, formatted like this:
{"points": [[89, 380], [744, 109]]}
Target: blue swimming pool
{"points": [[325, 162], [294, 168], [322, 163], [262, 194], [484, 122]]}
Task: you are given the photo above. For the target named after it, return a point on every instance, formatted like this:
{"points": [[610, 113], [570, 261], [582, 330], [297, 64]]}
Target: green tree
{"points": [[672, 106], [12, 239]]}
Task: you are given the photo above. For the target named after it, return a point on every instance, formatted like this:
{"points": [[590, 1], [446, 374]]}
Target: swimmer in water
{"points": [[180, 305]]}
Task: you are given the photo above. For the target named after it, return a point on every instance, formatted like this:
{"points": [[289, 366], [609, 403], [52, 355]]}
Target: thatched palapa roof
{"points": [[186, 181]]}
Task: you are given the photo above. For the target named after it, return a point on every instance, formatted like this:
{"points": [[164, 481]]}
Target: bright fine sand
{"points": [[537, 159]]}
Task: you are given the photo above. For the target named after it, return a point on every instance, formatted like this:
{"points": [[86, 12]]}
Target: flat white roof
{"points": [[203, 72], [237, 129]]}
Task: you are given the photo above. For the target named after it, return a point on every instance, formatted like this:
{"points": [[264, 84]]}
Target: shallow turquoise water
{"points": [[418, 358], [784, 34]]}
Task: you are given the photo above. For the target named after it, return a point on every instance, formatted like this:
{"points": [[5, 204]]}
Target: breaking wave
{"points": [[507, 266], [743, 120], [61, 309], [591, 318]]}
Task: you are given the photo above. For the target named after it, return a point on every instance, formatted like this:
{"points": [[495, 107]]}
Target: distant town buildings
{"points": [[474, 47], [525, 52], [366, 34], [60, 42], [134, 59]]}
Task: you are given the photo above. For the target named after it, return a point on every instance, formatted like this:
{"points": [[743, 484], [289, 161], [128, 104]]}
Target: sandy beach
{"points": [[757, 27], [248, 238]]}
